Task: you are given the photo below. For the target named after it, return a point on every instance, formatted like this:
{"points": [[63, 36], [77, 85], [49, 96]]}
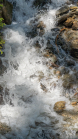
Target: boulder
{"points": [[69, 22], [62, 10], [7, 12], [59, 106], [68, 37], [75, 25]]}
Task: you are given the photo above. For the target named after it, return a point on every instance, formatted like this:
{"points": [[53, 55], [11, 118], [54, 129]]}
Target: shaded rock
{"points": [[59, 106], [2, 68], [38, 29], [41, 2], [70, 63], [37, 45], [7, 12], [62, 10]]}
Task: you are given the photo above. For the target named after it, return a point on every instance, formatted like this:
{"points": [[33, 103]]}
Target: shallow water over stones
{"points": [[38, 75]]}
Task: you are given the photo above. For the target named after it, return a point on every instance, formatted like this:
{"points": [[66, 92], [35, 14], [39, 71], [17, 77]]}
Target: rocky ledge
{"points": [[6, 12], [67, 20]]}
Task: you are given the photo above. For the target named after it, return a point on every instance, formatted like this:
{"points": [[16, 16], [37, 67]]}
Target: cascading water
{"points": [[28, 110]]}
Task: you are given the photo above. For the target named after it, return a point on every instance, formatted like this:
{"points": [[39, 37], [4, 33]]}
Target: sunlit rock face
{"points": [[68, 37], [41, 2]]}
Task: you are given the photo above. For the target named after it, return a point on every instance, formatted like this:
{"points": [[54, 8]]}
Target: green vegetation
{"points": [[2, 42]]}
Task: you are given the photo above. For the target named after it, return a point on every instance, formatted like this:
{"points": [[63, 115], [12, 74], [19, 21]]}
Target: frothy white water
{"points": [[29, 110]]}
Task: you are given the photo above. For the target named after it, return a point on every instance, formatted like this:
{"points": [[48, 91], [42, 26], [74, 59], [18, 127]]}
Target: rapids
{"points": [[28, 110]]}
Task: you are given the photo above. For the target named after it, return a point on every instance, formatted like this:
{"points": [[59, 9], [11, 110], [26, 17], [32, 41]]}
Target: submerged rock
{"points": [[41, 2], [38, 29], [59, 106]]}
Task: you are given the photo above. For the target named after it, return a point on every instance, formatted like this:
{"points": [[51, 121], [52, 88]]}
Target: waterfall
{"points": [[33, 88]]}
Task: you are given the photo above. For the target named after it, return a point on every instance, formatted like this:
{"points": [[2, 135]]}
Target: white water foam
{"points": [[30, 104]]}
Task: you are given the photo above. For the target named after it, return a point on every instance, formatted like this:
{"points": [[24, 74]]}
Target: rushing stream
{"points": [[28, 108]]}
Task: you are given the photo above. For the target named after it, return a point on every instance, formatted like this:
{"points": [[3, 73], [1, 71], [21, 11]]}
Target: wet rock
{"points": [[70, 63], [4, 128], [37, 45], [62, 10], [43, 87], [2, 68], [59, 106], [67, 37], [64, 17], [73, 103], [63, 70], [7, 12], [76, 12], [50, 55], [69, 80], [75, 25], [41, 2], [41, 25], [2, 54], [73, 8], [38, 29], [69, 41], [69, 22], [41, 75]]}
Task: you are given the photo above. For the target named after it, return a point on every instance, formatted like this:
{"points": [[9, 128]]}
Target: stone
{"points": [[73, 103], [68, 80], [69, 22], [43, 87], [62, 10], [75, 25], [64, 17], [73, 8], [41, 3], [41, 25], [4, 128], [7, 12], [68, 40], [59, 106], [2, 68]]}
